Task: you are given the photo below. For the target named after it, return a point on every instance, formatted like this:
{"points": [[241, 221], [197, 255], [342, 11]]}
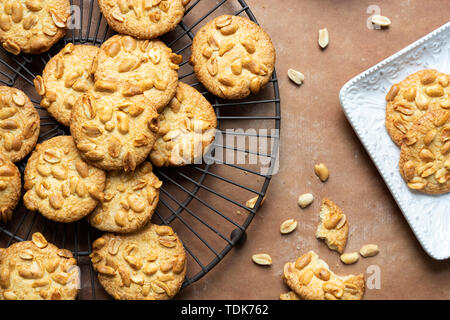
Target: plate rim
{"points": [[342, 100]]}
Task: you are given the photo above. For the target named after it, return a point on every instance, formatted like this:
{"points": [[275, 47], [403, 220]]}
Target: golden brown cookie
{"points": [[64, 80], [19, 124], [10, 187], [59, 184], [32, 26], [38, 270], [232, 57], [113, 132], [144, 19], [425, 154], [129, 202], [409, 99], [146, 265], [311, 279], [333, 226], [186, 129], [135, 67]]}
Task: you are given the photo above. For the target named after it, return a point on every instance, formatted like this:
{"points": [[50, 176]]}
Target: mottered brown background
{"points": [[314, 128]]}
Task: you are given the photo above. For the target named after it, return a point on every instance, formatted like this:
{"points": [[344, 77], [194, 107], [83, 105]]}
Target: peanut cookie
{"points": [[186, 129], [113, 132], [144, 19], [311, 279], [65, 78], [10, 186], [59, 184], [425, 154], [136, 67], [333, 226], [38, 270], [409, 99], [146, 265], [19, 124], [32, 26], [232, 57], [291, 295], [129, 202]]}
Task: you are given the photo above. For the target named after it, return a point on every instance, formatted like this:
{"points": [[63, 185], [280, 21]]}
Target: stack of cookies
{"points": [[418, 120], [126, 109]]}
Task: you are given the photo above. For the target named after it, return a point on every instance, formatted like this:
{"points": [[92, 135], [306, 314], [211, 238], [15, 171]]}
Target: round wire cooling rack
{"points": [[204, 203]]}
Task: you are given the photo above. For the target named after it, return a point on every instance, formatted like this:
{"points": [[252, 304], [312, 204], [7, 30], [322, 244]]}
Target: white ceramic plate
{"points": [[363, 101]]}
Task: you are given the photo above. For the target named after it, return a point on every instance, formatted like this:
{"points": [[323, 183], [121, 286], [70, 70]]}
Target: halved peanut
{"points": [[323, 38], [422, 101], [255, 85], [262, 259], [305, 200], [322, 274], [392, 92], [426, 155], [417, 183], [333, 221], [296, 76], [381, 21], [350, 258], [321, 171], [435, 90], [39, 240], [288, 226], [303, 261], [251, 202], [369, 250], [429, 137]]}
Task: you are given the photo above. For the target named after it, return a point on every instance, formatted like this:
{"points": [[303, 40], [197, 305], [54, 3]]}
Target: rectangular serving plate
{"points": [[364, 104]]}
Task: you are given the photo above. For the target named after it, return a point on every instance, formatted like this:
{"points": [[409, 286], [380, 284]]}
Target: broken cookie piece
{"points": [[333, 226], [311, 279]]}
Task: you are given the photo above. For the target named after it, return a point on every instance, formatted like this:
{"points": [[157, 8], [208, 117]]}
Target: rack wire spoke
{"points": [[209, 206], [227, 180], [193, 215]]}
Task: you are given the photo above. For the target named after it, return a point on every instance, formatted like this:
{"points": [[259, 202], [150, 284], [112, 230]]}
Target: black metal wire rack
{"points": [[204, 203]]}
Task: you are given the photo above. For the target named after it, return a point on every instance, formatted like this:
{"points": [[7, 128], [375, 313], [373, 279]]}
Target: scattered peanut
{"points": [[321, 171], [381, 21], [323, 38], [350, 258], [296, 76], [369, 250], [262, 259], [288, 226], [305, 200], [251, 202]]}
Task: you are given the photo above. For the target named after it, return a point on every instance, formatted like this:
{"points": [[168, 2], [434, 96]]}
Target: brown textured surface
{"points": [[314, 128]]}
